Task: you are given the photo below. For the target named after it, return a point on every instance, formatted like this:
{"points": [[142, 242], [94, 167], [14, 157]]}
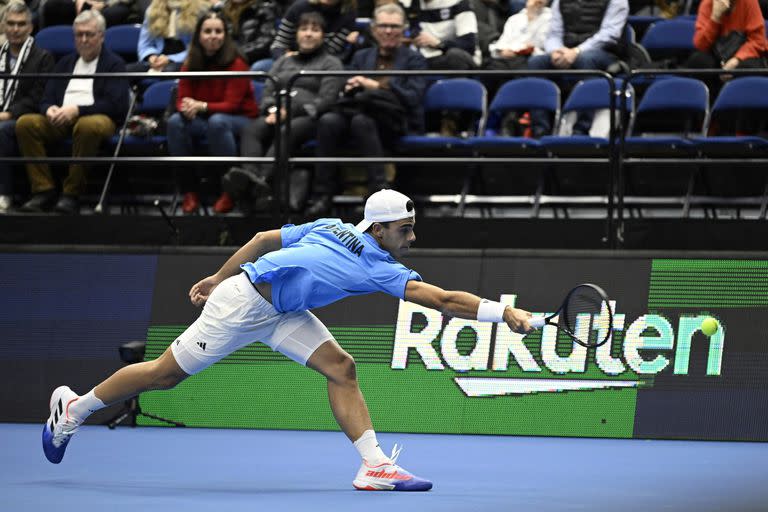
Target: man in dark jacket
{"points": [[367, 129], [19, 55], [88, 110], [583, 34]]}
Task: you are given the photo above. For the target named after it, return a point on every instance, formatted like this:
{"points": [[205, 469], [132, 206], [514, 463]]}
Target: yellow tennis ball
{"points": [[709, 326]]}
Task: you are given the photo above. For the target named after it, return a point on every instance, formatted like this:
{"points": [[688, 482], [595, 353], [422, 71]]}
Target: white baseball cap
{"points": [[385, 206]]}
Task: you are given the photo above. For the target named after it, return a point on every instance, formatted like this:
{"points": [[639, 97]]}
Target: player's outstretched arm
{"points": [[256, 247], [466, 305]]}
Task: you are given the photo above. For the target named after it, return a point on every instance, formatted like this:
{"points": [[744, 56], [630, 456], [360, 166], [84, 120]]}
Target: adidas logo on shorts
{"points": [[201, 345]]}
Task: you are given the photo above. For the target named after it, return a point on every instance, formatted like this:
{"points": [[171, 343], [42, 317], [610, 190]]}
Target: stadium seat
{"points": [[154, 102], [123, 40], [741, 99], [670, 39], [464, 96], [672, 110], [741, 106], [57, 39], [588, 95], [640, 24], [516, 96]]}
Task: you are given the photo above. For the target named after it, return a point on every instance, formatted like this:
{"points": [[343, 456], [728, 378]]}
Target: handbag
{"points": [[381, 104], [726, 46]]}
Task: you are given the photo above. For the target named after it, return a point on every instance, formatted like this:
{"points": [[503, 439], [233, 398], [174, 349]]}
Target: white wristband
{"points": [[490, 311]]}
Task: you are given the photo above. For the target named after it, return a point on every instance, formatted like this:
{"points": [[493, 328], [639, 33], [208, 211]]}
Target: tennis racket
{"points": [[585, 310]]}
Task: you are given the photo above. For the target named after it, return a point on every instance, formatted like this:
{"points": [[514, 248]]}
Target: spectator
{"points": [[253, 26], [310, 97], [18, 55], [217, 109], [166, 33], [582, 35], [117, 12], [339, 25], [490, 16], [361, 127], [445, 32], [523, 36], [737, 24], [88, 110]]}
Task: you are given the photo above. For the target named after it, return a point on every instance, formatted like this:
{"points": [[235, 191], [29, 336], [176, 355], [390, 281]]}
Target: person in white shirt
{"points": [[524, 35], [86, 109]]}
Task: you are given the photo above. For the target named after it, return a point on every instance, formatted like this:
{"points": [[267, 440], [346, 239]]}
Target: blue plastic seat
{"points": [[589, 95], [521, 95], [744, 98], [670, 39], [682, 104], [59, 40], [461, 95], [124, 41]]}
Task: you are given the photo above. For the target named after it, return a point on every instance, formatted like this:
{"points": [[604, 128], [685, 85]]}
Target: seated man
{"points": [[19, 55], [361, 128], [582, 35], [88, 110], [445, 32]]}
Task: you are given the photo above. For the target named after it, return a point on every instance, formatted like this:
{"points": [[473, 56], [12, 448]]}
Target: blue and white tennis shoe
{"points": [[60, 427], [388, 477]]}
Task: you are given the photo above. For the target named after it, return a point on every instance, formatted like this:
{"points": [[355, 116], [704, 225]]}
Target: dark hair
{"points": [[197, 60], [311, 18]]}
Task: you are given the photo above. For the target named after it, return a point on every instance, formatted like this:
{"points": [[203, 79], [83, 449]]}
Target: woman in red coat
{"points": [[215, 109]]}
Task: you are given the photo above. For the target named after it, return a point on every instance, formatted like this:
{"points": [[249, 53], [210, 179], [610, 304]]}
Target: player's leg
{"points": [[347, 402], [226, 324], [69, 411], [310, 343]]}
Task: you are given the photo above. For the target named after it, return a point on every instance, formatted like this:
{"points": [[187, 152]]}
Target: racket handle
{"points": [[538, 322]]}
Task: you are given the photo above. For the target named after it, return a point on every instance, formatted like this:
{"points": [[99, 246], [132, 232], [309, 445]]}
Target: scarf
{"points": [[8, 86]]}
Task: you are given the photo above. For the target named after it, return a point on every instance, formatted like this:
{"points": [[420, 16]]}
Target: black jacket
{"points": [[256, 30], [30, 92], [110, 94], [410, 89]]}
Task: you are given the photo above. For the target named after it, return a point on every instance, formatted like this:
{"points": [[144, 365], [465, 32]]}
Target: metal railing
{"points": [[614, 200]]}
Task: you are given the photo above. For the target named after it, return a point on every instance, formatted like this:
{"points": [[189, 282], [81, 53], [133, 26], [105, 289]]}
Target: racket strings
{"points": [[586, 314]]}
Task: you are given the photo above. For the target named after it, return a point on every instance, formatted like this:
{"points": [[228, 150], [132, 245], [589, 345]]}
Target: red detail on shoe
{"points": [[66, 409], [224, 203], [392, 476], [366, 488], [191, 203]]}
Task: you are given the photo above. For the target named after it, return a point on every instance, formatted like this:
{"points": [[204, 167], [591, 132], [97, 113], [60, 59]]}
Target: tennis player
{"points": [[265, 292]]}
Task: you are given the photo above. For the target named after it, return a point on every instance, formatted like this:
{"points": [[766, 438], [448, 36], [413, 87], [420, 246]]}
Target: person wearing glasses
{"points": [[18, 55], [87, 110], [367, 124]]}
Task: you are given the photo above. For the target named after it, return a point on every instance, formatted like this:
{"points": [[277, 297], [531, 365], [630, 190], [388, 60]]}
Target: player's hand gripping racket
{"points": [[585, 310]]}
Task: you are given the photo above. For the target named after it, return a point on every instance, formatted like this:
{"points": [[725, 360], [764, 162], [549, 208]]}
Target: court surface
{"points": [[190, 470]]}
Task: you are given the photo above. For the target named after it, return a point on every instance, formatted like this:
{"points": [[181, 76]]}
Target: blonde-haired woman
{"points": [[165, 34]]}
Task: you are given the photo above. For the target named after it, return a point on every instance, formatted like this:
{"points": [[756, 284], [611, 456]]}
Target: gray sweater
{"points": [[312, 94]]}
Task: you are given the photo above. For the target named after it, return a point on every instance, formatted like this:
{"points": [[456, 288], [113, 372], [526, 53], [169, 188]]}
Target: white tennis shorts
{"points": [[236, 315]]}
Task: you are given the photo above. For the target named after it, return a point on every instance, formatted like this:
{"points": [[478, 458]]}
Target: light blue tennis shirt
{"points": [[324, 261]]}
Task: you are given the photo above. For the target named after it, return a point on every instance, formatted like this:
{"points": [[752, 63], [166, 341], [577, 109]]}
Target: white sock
{"points": [[85, 406], [369, 449]]}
